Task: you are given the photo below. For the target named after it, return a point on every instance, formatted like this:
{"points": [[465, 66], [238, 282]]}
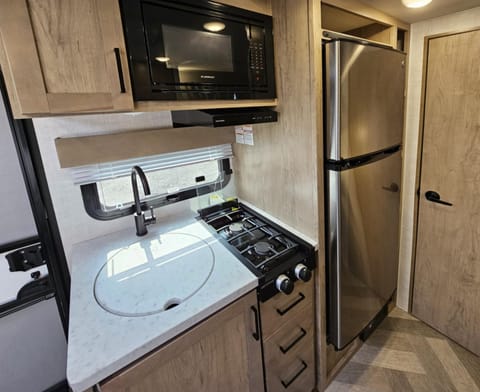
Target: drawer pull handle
{"points": [[120, 71], [300, 298], [297, 339], [256, 334], [286, 384]]}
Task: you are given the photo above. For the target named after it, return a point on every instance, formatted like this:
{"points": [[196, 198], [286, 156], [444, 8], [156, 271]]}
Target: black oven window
{"points": [[192, 50]]}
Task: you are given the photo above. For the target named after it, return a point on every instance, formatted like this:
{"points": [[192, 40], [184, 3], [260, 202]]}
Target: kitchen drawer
{"points": [[298, 377], [283, 308], [287, 352]]}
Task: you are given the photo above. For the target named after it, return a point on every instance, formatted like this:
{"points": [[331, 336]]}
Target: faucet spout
{"points": [[140, 221], [137, 170]]}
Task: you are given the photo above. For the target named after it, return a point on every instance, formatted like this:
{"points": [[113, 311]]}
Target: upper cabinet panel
{"points": [[358, 20], [260, 6], [69, 57], [64, 56]]}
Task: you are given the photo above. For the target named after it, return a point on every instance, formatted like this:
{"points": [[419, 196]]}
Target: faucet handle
{"points": [[152, 218]]}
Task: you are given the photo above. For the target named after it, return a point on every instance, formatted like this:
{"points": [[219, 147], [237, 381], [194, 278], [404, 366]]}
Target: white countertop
{"points": [[100, 342]]}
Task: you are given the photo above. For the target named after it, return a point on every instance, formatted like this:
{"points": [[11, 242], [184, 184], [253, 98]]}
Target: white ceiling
{"points": [[410, 15]]}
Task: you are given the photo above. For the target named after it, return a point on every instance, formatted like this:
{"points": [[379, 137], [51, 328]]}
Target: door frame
{"points": [[420, 144], [31, 165]]}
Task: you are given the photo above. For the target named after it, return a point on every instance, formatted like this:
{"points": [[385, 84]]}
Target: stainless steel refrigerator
{"points": [[364, 94]]}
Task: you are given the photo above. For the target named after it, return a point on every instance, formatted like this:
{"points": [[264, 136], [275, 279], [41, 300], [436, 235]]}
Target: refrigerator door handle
{"points": [[434, 197]]}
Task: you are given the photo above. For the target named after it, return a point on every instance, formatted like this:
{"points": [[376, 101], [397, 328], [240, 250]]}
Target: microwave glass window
{"points": [[192, 50]]}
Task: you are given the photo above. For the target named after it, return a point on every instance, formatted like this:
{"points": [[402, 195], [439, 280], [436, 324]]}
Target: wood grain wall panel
{"points": [[316, 62], [283, 172], [279, 173]]}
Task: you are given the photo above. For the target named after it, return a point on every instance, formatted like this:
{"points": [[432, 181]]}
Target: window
{"points": [[107, 189]]}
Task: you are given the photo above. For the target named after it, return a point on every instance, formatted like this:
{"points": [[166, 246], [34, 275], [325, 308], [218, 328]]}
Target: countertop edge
{"points": [[114, 367]]}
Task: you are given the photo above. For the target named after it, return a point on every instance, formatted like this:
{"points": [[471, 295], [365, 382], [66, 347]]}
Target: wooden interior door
{"points": [[447, 271], [64, 56]]}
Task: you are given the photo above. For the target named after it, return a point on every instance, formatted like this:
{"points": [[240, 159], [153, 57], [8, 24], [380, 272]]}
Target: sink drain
{"points": [[171, 303]]}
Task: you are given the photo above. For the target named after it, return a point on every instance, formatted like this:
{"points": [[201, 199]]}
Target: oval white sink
{"points": [[154, 275]]}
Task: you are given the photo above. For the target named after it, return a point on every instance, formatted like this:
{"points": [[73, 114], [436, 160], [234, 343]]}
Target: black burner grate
{"points": [[244, 231]]}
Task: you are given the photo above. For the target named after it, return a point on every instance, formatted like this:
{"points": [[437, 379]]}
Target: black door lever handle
{"points": [[434, 197]]}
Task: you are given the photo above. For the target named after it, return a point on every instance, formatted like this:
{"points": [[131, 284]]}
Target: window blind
{"points": [[103, 171]]}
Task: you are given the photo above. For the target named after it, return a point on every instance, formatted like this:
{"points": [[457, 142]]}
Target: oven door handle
{"points": [[300, 298]]}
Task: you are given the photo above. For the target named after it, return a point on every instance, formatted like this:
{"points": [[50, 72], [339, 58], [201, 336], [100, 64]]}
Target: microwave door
{"points": [[186, 49]]}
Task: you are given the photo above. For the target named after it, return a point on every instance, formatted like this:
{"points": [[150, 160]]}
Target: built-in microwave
{"points": [[197, 49]]}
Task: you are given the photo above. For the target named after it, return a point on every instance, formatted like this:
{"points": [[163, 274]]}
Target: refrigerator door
{"points": [[364, 92], [363, 216]]}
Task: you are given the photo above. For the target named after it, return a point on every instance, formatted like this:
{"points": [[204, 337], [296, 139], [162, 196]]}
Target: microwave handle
{"points": [[120, 70]]}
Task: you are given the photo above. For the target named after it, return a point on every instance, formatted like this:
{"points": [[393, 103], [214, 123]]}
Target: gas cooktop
{"points": [[275, 255]]}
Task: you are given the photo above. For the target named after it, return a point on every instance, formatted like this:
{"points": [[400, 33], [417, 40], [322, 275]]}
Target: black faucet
{"points": [[141, 222]]}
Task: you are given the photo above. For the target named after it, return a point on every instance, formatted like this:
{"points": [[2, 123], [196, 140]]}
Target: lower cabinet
{"points": [[288, 340], [223, 353]]}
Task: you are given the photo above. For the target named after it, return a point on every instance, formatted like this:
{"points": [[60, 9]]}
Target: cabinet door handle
{"points": [[286, 384], [256, 334], [300, 298], [297, 339], [120, 70]]}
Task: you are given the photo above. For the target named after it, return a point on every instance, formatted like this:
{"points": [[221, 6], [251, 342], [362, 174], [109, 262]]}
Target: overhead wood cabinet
{"points": [[220, 354], [64, 56]]}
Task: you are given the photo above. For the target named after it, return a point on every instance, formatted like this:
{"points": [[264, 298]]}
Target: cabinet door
{"points": [[220, 354], [64, 56]]}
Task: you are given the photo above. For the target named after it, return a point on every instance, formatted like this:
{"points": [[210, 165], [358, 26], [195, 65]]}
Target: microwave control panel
{"points": [[257, 56]]}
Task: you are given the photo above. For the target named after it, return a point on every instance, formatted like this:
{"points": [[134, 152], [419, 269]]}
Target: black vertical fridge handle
{"points": [[434, 197]]}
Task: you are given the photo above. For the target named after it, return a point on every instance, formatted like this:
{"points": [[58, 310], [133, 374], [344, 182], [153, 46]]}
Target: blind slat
{"points": [[103, 171]]}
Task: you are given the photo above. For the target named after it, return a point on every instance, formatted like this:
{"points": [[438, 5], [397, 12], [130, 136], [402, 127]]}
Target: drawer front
{"points": [[290, 357], [299, 377], [283, 308]]}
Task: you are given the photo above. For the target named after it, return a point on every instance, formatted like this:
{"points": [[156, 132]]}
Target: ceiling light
{"points": [[415, 3], [214, 26], [162, 59]]}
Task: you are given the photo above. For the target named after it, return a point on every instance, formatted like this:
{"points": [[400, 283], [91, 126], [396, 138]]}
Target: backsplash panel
{"points": [[74, 223]]}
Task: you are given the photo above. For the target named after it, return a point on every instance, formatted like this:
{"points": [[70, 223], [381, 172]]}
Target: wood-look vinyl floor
{"points": [[404, 355]]}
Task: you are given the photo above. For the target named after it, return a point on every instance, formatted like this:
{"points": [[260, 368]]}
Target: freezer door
{"points": [[364, 93], [363, 240]]}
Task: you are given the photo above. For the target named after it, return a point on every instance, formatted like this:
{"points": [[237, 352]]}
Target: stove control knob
{"points": [[284, 284], [302, 272]]}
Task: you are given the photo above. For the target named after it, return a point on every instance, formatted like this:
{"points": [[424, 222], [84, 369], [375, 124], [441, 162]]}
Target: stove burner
{"points": [[262, 248], [236, 227]]}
